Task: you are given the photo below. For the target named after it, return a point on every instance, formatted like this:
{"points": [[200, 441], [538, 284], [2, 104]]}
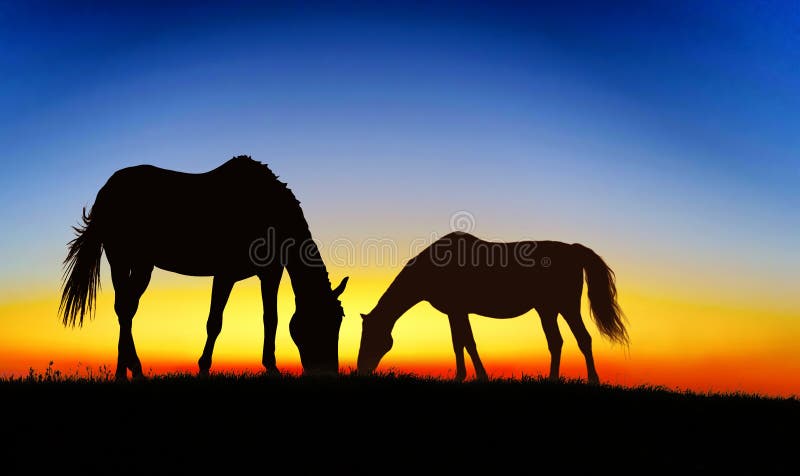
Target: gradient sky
{"points": [[664, 135]]}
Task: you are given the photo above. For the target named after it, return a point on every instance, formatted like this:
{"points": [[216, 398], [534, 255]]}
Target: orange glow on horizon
{"points": [[675, 343]]}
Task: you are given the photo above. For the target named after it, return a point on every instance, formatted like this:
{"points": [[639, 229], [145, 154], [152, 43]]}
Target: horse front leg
{"points": [[472, 350], [457, 332], [270, 281], [220, 292]]}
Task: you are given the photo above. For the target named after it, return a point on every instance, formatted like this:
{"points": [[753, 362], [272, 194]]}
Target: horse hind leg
{"points": [[220, 292], [129, 285], [554, 340], [575, 322]]}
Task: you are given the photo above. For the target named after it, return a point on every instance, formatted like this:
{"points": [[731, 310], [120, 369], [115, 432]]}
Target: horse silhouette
{"points": [[233, 222], [460, 274]]}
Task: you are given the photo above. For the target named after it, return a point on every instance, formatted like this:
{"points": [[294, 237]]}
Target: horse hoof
{"points": [[272, 372], [482, 378], [121, 378], [459, 378], [139, 377]]}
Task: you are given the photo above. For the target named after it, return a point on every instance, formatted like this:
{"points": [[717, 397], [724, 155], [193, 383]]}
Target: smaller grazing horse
{"points": [[460, 274]]}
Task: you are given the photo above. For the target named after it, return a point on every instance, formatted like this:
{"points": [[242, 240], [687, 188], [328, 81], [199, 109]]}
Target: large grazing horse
{"points": [[233, 222], [460, 274]]}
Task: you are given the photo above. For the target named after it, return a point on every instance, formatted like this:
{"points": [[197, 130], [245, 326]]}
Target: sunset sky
{"points": [[663, 135]]}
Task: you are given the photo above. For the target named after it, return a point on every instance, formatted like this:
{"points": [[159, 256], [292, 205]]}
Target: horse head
{"points": [[376, 341], [315, 330]]}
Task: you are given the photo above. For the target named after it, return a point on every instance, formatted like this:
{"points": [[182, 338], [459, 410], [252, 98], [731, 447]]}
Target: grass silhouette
{"points": [[390, 422], [104, 375]]}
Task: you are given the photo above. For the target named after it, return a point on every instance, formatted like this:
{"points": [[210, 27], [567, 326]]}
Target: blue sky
{"points": [[639, 126]]}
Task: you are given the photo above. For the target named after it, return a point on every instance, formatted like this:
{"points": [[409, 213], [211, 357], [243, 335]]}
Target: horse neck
{"points": [[306, 269], [401, 296]]}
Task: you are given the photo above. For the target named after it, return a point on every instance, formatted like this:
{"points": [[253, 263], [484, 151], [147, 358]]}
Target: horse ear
{"points": [[363, 316], [340, 288]]}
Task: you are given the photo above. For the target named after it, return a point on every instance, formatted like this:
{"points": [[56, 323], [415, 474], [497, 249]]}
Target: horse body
{"points": [[493, 283], [204, 224], [192, 224], [461, 275]]}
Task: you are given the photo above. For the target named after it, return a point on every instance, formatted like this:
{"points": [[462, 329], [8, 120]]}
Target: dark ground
{"points": [[257, 425]]}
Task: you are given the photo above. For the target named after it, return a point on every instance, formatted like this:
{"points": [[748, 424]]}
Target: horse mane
{"points": [[278, 192], [245, 163], [280, 195]]}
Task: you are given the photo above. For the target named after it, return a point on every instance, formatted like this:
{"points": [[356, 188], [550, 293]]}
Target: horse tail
{"points": [[602, 290], [81, 272]]}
